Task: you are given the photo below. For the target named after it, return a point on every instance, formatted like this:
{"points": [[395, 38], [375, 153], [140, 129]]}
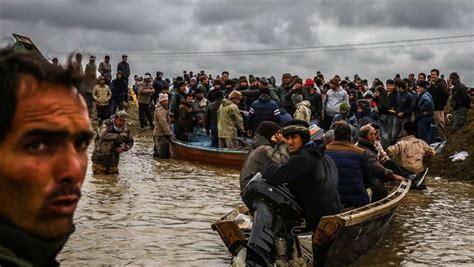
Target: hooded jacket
{"points": [[263, 109], [263, 152], [424, 105], [229, 120], [101, 95], [311, 176], [460, 98], [303, 111]]}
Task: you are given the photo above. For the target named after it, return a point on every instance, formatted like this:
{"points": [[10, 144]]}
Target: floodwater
{"points": [[159, 214]]}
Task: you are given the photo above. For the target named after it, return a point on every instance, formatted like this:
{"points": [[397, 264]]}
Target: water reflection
{"points": [[159, 213]]}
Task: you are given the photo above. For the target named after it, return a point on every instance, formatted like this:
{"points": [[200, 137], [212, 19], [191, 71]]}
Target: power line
{"points": [[297, 50]]}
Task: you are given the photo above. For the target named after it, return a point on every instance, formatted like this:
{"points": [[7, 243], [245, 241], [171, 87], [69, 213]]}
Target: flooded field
{"points": [[159, 213]]}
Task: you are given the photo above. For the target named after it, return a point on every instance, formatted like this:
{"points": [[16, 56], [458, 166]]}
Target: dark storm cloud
{"points": [[413, 14], [107, 16]]}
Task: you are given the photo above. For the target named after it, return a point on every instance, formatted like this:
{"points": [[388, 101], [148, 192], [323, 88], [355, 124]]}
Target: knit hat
{"points": [[309, 82], [264, 81], [344, 107], [235, 94], [296, 98], [297, 80], [242, 79], [296, 127], [286, 75], [163, 97], [267, 129]]}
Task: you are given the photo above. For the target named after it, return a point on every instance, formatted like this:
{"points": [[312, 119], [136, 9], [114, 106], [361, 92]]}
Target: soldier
{"points": [[112, 139]]}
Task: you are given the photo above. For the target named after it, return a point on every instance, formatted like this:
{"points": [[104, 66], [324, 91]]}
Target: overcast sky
{"points": [[144, 28]]}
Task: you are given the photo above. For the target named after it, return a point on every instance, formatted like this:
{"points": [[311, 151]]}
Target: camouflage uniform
{"points": [[105, 158], [409, 152]]}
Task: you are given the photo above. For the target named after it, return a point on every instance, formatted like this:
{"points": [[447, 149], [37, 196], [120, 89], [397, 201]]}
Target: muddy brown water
{"points": [[158, 213]]}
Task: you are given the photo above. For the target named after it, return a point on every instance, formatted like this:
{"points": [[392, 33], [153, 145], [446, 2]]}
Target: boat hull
{"points": [[225, 158], [340, 239]]}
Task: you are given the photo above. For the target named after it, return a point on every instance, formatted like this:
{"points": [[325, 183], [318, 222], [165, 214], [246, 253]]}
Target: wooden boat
{"points": [[339, 239], [205, 154]]}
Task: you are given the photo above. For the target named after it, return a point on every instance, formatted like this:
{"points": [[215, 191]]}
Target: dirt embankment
{"points": [[462, 140]]}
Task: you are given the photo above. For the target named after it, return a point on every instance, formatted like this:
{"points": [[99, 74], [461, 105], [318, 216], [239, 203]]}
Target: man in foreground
{"points": [[310, 175], [44, 135]]}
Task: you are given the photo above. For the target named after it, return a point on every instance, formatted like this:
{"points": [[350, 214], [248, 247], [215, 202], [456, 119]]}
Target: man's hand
{"points": [[120, 149], [397, 177], [400, 114]]}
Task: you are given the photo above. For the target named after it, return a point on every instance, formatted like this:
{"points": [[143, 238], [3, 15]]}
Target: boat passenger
{"points": [[162, 132], [186, 119], [211, 118], [176, 98], [112, 139], [229, 121], [199, 106], [263, 109], [367, 138], [353, 170], [268, 146], [310, 175]]}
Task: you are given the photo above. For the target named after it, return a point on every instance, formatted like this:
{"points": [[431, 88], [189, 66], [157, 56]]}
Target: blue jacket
{"points": [[424, 105], [404, 104], [263, 109], [354, 173]]}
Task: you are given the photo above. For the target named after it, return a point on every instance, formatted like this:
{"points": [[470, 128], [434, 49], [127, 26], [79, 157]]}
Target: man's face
{"points": [[107, 59], [205, 82], [164, 103], [434, 76], [419, 89], [102, 81], [297, 85], [421, 77], [92, 60], [125, 59], [254, 84], [217, 86], [243, 84], [225, 76], [44, 159], [236, 100], [119, 122], [294, 142], [286, 80], [200, 95], [372, 136], [78, 58], [390, 88]]}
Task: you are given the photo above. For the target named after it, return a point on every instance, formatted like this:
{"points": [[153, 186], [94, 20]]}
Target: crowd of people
{"points": [[373, 134]]}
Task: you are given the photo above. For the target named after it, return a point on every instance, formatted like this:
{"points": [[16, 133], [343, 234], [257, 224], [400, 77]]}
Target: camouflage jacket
{"points": [[409, 152], [107, 140]]}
